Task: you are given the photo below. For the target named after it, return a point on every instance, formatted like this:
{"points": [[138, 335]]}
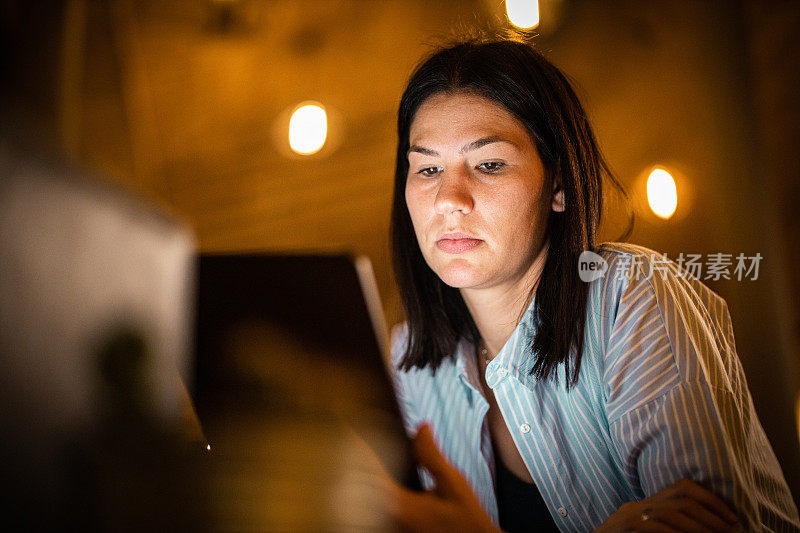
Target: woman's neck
{"points": [[496, 310]]}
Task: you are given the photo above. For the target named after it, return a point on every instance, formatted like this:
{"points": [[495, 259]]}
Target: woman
{"points": [[555, 402]]}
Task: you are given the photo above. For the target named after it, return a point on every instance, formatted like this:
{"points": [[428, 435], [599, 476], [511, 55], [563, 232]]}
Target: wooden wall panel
{"points": [[203, 86], [181, 101]]}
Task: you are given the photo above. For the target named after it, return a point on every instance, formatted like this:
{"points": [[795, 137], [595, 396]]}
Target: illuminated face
{"points": [[476, 191]]}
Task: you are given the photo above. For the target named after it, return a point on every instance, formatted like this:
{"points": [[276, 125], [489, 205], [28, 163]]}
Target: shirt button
{"points": [[525, 428], [502, 372], [562, 512]]}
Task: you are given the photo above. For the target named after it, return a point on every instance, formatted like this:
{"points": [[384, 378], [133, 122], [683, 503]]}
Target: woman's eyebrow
{"points": [[421, 150], [474, 145], [480, 143]]}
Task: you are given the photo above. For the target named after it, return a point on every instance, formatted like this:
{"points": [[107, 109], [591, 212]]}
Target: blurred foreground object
{"points": [[94, 336], [97, 298], [293, 393]]}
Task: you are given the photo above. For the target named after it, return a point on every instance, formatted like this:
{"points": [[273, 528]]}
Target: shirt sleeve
{"points": [[404, 386], [401, 380], [678, 404]]}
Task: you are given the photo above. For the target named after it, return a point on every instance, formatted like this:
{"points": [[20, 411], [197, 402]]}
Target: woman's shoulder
{"points": [[646, 298], [399, 345], [632, 266], [612, 270], [625, 255], [624, 248], [631, 272]]}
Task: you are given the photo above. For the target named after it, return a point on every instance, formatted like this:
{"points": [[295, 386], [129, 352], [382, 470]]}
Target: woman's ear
{"points": [[558, 197]]}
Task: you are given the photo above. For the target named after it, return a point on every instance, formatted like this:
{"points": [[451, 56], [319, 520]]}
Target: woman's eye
{"points": [[429, 171], [491, 166]]}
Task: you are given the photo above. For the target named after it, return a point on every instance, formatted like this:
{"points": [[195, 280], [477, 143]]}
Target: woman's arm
{"points": [[453, 506], [677, 402], [683, 506]]}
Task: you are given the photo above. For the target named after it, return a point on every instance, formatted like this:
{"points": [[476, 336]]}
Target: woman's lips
{"points": [[457, 246]]}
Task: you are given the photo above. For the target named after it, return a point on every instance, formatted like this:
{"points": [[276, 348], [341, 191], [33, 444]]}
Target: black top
{"points": [[520, 505]]}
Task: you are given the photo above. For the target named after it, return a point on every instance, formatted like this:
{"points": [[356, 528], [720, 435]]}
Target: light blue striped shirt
{"points": [[661, 396]]}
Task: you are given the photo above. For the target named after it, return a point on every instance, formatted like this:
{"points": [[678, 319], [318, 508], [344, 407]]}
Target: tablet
{"points": [[293, 393]]}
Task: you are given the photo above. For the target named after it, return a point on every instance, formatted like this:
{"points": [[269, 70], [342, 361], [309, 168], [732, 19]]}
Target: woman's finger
{"points": [[650, 526], [427, 451], [635, 516], [700, 513], [449, 482], [689, 489], [671, 514], [408, 509]]}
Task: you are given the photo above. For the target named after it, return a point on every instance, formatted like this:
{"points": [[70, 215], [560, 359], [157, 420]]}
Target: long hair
{"points": [[519, 78]]}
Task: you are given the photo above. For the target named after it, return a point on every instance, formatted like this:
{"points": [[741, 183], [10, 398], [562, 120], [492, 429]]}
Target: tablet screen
{"points": [[292, 391]]}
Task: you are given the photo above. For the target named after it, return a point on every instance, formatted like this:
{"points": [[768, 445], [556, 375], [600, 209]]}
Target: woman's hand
{"points": [[451, 506], [684, 506]]}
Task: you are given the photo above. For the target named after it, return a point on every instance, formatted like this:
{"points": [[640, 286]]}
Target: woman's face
{"points": [[476, 191]]}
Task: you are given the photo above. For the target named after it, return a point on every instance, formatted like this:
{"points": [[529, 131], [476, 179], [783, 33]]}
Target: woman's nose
{"points": [[454, 193]]}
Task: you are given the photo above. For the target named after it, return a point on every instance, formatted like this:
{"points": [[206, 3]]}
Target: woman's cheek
{"points": [[413, 210]]}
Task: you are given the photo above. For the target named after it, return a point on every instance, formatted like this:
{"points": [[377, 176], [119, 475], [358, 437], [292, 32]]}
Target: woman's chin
{"points": [[460, 274]]}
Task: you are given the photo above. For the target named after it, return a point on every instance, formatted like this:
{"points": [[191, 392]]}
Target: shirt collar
{"points": [[515, 358], [467, 365]]}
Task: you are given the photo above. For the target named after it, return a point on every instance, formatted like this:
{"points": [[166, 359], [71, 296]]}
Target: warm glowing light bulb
{"points": [[208, 447], [308, 129], [662, 194], [523, 13]]}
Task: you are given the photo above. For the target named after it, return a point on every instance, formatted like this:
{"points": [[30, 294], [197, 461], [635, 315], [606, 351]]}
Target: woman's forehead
{"points": [[464, 117]]}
